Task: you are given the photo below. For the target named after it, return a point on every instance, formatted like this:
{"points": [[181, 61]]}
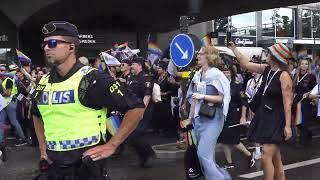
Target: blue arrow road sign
{"points": [[181, 50]]}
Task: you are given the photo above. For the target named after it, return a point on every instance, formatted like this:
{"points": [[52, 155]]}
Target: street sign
{"points": [[182, 50]]}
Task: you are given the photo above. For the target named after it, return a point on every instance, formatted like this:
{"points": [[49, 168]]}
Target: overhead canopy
{"points": [[145, 15]]}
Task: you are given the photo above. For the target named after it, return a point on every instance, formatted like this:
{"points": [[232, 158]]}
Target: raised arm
{"points": [[28, 76], [244, 61]]}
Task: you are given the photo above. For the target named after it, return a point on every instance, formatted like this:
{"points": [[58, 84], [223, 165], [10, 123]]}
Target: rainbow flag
{"points": [[154, 49], [113, 124], [298, 116], [22, 57], [206, 41], [120, 47]]}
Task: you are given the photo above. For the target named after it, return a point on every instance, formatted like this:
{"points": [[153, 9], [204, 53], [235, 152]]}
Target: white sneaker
{"points": [[257, 155]]}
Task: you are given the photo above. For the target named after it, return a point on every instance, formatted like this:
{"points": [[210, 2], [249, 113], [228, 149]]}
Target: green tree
{"points": [[221, 24], [306, 23]]}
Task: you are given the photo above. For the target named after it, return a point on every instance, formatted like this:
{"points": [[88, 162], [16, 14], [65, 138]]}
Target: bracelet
{"points": [[204, 97]]}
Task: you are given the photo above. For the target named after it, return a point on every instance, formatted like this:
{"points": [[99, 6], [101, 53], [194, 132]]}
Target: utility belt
{"points": [[83, 170]]}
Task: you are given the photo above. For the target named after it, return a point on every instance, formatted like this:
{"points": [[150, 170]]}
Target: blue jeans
{"points": [[10, 112], [207, 132]]}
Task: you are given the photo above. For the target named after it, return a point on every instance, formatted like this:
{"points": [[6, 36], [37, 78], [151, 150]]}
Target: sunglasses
{"points": [[52, 43]]}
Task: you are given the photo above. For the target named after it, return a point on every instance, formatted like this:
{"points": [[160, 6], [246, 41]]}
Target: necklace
{"points": [[256, 82], [299, 80], [268, 83]]}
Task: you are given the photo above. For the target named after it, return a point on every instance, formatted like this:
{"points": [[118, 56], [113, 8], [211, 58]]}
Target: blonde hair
{"points": [[212, 55], [298, 70]]}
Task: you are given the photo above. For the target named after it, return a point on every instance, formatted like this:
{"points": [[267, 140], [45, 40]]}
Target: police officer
{"points": [[10, 93], [70, 111], [141, 85], [125, 71]]}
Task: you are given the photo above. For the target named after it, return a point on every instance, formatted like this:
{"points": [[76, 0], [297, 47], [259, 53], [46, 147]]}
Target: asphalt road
{"points": [[302, 164]]}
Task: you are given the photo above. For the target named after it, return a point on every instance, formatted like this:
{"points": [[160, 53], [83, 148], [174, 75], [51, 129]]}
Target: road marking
{"points": [[286, 167], [317, 136]]}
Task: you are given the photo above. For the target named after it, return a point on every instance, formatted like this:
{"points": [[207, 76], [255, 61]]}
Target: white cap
{"points": [[13, 67]]}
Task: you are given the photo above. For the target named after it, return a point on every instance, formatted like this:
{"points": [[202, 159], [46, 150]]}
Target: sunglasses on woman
{"points": [[52, 43]]}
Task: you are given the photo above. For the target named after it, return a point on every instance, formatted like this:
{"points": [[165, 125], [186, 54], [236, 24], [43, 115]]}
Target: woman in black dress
{"points": [[162, 115], [236, 114], [272, 122], [304, 83]]}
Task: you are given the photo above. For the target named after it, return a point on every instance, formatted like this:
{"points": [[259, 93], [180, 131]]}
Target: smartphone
{"points": [[228, 38]]}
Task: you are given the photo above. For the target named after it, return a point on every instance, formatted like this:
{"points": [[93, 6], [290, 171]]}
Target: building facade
{"points": [[299, 24], [8, 39]]}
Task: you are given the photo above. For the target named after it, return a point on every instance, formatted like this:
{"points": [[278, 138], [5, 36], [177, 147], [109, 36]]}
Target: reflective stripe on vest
{"points": [[68, 124]]}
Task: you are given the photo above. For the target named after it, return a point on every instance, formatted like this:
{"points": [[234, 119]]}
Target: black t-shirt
{"points": [[26, 82], [305, 83], [22, 86], [140, 85], [95, 91]]}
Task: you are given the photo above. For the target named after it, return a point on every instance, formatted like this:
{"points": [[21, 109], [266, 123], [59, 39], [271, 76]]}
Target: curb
{"points": [[176, 153], [168, 151]]}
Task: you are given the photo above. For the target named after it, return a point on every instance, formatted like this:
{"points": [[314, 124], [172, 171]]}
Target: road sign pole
{"points": [[184, 29]]}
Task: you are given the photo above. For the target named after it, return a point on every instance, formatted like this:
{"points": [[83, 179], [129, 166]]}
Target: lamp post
{"points": [[314, 16], [314, 30]]}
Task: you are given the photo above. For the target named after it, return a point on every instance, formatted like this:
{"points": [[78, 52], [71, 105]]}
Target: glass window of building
{"points": [[4, 53], [268, 23], [306, 23], [221, 24], [316, 23], [283, 17], [244, 24]]}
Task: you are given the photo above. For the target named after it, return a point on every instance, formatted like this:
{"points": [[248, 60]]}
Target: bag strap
{"points": [[189, 135], [256, 83]]}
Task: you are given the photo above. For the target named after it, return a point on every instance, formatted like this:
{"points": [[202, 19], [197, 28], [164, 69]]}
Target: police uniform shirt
{"points": [[95, 91], [140, 85]]}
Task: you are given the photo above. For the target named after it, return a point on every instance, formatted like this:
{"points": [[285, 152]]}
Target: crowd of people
{"points": [[17, 109], [269, 101]]}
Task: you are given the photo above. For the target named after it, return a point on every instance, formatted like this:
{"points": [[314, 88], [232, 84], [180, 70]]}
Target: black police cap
{"points": [[60, 28], [163, 65], [127, 61], [138, 60]]}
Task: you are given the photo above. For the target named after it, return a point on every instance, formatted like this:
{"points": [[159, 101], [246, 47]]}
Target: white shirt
{"points": [[315, 91], [252, 87]]}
